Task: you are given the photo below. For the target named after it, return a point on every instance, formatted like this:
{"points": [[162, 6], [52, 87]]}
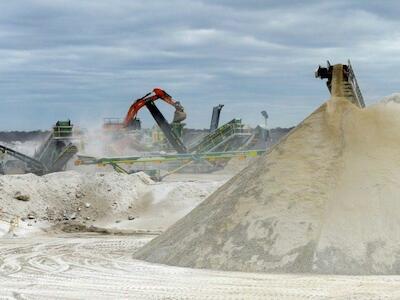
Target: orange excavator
{"points": [[148, 101], [157, 93]]}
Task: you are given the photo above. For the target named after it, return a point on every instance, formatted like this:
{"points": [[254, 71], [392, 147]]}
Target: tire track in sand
{"points": [[102, 267]]}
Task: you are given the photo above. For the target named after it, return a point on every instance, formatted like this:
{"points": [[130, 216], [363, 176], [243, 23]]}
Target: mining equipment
{"points": [[349, 84], [216, 113], [171, 131], [203, 154], [52, 155], [266, 131]]}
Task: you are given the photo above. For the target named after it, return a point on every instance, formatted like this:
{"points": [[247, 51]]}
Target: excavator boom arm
{"points": [[180, 115]]}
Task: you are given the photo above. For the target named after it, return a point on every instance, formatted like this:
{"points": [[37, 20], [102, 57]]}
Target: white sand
{"points": [[103, 200], [101, 267], [325, 200]]}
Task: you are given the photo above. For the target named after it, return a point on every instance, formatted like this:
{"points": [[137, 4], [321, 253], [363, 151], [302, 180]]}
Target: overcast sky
{"points": [[86, 60]]}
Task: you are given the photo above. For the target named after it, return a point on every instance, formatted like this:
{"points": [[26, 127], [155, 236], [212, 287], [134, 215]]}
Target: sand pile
{"points": [[106, 200], [326, 199]]}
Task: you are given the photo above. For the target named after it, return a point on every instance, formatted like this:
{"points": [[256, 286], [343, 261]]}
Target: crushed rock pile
{"points": [[326, 199], [102, 199]]}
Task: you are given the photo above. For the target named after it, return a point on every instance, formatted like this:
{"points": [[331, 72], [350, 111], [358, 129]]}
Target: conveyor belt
{"points": [[215, 117], [166, 128], [164, 158], [230, 135], [36, 166], [349, 85], [68, 152]]}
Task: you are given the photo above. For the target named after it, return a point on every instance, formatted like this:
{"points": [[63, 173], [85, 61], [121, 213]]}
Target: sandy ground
{"points": [[49, 264], [103, 200], [97, 266]]}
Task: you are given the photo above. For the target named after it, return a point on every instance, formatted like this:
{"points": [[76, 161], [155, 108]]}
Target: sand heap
{"points": [[106, 200], [326, 199]]}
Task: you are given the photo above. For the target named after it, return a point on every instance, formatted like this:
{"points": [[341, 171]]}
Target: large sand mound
{"points": [[326, 199]]}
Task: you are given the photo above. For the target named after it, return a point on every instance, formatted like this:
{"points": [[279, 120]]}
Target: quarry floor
{"points": [[40, 264], [79, 265]]}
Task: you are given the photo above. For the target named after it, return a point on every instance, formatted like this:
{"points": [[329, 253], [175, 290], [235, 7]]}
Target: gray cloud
{"points": [[89, 59]]}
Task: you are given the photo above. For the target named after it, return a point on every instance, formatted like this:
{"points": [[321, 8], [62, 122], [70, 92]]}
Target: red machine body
{"points": [[157, 93]]}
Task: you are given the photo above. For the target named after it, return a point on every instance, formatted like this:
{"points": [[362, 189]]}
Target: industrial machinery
{"points": [[58, 148], [266, 131], [350, 87], [32, 165], [52, 156], [114, 124], [184, 159], [215, 117], [229, 136], [206, 153], [157, 93], [171, 131]]}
